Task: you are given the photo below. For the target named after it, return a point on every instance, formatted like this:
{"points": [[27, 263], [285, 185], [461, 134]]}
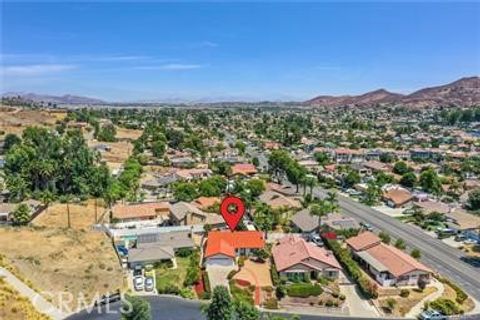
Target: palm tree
{"points": [[332, 199], [320, 209]]}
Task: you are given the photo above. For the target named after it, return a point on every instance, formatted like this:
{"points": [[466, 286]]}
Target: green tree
{"points": [[430, 181], [21, 215], [185, 191], [158, 148], [400, 168], [352, 178], [400, 244], [10, 140], [385, 237], [245, 311], [221, 307], [256, 187], [474, 200], [322, 158], [136, 308], [416, 253], [408, 180]]}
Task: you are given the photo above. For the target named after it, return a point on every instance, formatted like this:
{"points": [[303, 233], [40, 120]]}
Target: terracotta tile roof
{"points": [[206, 202], [244, 169], [396, 261], [140, 210], [293, 250], [399, 196], [225, 242], [363, 241]]}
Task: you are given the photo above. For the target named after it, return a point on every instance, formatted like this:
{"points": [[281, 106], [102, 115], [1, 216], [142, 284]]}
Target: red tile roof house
{"points": [[223, 247], [244, 169], [294, 256], [388, 265]]}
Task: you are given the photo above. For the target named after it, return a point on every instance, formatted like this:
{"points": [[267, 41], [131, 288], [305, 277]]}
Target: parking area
{"points": [[142, 281]]}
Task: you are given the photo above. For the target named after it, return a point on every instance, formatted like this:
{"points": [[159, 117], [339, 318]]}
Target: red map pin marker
{"points": [[232, 210]]}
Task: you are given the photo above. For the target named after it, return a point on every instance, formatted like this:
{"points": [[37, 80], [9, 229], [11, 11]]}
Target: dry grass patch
{"points": [[82, 215], [120, 151], [13, 306], [449, 293], [63, 260], [403, 305], [16, 120], [131, 134]]}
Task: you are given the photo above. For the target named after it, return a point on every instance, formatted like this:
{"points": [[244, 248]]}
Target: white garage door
{"points": [[220, 261]]}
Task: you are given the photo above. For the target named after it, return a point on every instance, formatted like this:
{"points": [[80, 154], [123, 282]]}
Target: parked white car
{"points": [[138, 283], [149, 284]]}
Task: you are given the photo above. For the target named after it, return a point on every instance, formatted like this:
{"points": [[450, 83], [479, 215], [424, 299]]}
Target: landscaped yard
{"points": [[172, 280], [402, 305]]}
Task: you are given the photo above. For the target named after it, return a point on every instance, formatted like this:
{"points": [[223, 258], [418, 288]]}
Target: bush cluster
{"points": [[446, 306], [461, 295], [304, 290]]}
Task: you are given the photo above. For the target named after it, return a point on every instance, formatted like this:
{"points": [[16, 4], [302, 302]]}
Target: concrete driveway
{"points": [[218, 275], [357, 305]]}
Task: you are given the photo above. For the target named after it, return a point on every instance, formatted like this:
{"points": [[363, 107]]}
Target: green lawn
{"points": [[172, 277]]}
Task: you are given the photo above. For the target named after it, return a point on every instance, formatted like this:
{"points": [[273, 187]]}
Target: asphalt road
{"points": [[435, 254], [173, 308]]}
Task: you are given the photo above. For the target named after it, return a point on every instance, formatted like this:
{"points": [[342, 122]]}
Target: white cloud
{"points": [[172, 66], [35, 69]]}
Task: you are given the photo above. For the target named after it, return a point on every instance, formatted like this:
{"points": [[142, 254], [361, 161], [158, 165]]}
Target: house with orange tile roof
{"points": [[397, 197], [294, 257], [223, 247], [205, 202], [141, 211], [244, 169], [388, 265]]}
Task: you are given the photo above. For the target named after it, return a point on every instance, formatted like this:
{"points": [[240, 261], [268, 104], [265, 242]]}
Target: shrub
{"points": [[187, 293], [342, 297], [404, 293], [184, 252], [445, 306], [206, 282], [304, 290], [274, 275], [329, 303], [280, 291], [241, 261], [169, 289], [231, 274], [271, 303]]}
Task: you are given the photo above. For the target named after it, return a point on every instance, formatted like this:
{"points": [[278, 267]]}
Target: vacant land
{"points": [[53, 258], [119, 151], [131, 134], [15, 307], [16, 120], [82, 215]]}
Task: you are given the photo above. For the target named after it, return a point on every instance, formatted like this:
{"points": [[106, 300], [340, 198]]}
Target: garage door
{"points": [[220, 261]]}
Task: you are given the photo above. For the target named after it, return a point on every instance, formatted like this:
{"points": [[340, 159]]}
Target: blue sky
{"points": [[150, 51]]}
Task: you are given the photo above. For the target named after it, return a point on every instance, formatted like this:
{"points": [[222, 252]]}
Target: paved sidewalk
{"points": [[37, 300], [358, 307]]}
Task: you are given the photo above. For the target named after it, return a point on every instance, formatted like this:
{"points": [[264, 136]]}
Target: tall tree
{"points": [[136, 308], [221, 307], [21, 215]]}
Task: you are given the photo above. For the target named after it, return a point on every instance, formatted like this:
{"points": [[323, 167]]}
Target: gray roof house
{"points": [[149, 253], [339, 222], [304, 221], [176, 239]]}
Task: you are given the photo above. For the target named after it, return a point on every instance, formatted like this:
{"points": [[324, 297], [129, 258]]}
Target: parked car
{"points": [[315, 238], [366, 226], [431, 315], [138, 283], [470, 241], [148, 284], [137, 271]]}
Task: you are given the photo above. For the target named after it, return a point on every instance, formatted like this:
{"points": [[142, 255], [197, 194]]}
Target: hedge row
{"points": [[274, 275], [304, 290], [366, 286]]}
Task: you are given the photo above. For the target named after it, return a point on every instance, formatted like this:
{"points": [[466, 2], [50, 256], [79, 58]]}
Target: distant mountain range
{"points": [[65, 99], [463, 92]]}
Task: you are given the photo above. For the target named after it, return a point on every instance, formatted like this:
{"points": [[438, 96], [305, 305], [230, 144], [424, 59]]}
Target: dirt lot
{"points": [[403, 305], [130, 134], [16, 120], [120, 151], [15, 307], [56, 259], [82, 215]]}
